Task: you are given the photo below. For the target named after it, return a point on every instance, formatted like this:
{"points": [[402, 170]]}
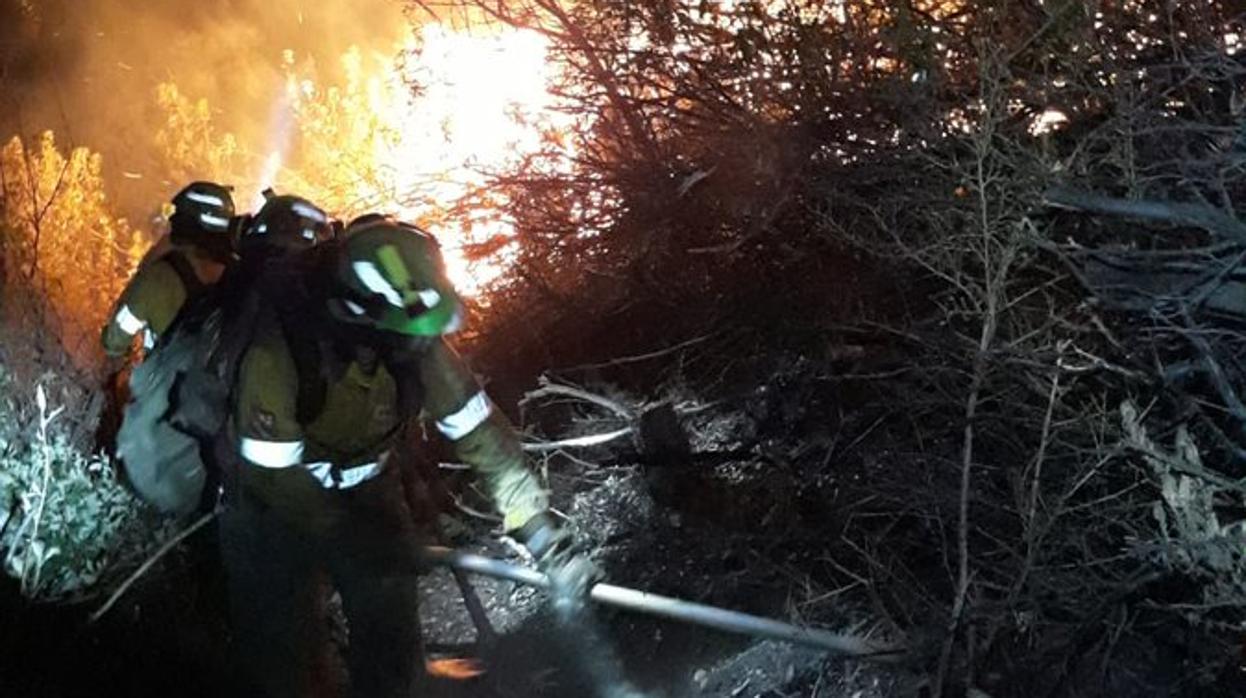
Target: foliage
{"points": [[67, 523], [326, 141], [1014, 216], [62, 245], [342, 132], [893, 177], [188, 139], [1190, 540]]}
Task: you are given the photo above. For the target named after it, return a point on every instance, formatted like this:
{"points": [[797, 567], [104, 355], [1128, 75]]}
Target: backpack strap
{"points": [[310, 364], [185, 272]]}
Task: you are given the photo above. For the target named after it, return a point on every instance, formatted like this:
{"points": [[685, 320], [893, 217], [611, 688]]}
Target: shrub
{"points": [[1191, 541], [67, 523]]}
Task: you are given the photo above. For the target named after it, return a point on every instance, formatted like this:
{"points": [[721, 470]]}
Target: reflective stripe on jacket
{"points": [[153, 298], [295, 463]]}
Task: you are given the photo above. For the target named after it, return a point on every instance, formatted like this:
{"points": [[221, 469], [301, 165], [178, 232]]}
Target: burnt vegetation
{"points": [[970, 273], [930, 310]]}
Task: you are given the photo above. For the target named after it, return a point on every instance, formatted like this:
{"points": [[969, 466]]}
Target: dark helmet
{"points": [[287, 224], [366, 220], [201, 209]]}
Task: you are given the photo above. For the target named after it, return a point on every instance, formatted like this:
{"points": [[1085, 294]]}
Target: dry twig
{"points": [[155, 557]]}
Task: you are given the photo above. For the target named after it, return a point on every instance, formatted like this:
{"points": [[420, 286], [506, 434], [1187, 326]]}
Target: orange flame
{"points": [[455, 668]]}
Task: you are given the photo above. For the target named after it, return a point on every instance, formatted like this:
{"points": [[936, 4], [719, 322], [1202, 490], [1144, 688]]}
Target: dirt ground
{"points": [[169, 636], [643, 545], [741, 507]]}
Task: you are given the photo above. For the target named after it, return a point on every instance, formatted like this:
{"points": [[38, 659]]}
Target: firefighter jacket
{"points": [[308, 434], [155, 295]]}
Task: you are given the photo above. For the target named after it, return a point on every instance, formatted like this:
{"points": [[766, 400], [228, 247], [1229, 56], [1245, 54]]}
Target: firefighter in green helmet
{"points": [[323, 389], [192, 258], [391, 282]]}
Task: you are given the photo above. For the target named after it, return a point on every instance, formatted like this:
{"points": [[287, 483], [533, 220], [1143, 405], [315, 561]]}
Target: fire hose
{"points": [[609, 595], [669, 608]]}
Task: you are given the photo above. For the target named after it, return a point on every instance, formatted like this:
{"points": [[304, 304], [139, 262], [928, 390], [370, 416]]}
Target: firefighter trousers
{"points": [[278, 576]]}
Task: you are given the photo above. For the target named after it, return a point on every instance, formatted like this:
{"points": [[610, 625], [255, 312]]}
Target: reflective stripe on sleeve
{"points": [[469, 416], [129, 323], [272, 454]]}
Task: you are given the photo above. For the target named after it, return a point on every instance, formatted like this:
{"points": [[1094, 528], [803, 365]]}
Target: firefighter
{"points": [[192, 258], [391, 282], [320, 400], [392, 285]]}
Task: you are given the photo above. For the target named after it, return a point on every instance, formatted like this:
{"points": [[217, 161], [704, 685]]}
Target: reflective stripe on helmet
{"points": [[209, 199], [272, 454], [469, 416], [430, 297], [213, 221], [455, 323], [309, 211], [129, 323], [371, 278]]}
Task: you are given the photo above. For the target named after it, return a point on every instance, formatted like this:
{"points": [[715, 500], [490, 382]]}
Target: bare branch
{"points": [[161, 552], [549, 388], [1177, 213], [576, 442]]}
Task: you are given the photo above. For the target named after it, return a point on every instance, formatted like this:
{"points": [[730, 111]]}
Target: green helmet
{"points": [[201, 210], [286, 224], [391, 276]]}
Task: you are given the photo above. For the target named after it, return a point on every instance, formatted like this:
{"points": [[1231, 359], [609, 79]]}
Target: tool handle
{"points": [[667, 607]]}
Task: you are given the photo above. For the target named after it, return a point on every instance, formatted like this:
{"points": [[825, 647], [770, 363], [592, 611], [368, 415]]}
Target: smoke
{"points": [[590, 650], [88, 70]]}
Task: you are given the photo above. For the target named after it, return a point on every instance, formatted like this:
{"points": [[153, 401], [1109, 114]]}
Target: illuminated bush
{"points": [[67, 522], [192, 146], [1190, 539], [62, 245]]}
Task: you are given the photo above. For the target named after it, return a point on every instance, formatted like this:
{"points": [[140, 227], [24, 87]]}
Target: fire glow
{"points": [[415, 130]]}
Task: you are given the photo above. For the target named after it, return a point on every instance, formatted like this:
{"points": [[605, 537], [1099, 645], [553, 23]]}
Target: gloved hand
{"points": [[570, 570]]}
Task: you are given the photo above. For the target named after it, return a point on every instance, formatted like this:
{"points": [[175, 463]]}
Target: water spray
{"points": [[281, 129], [272, 165]]}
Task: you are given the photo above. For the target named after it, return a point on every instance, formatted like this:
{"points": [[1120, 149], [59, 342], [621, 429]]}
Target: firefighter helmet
{"points": [[286, 223], [391, 275], [201, 208]]}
